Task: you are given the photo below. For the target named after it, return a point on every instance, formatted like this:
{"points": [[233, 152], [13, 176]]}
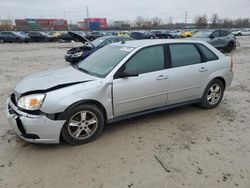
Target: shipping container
{"points": [[94, 26]]}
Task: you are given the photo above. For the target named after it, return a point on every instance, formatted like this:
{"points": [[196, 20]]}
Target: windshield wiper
{"points": [[83, 70]]}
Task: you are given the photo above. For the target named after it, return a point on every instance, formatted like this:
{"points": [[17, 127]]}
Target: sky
{"points": [[75, 10]]}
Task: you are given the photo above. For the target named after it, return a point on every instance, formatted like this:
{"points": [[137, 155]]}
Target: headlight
{"points": [[31, 102], [77, 54]]}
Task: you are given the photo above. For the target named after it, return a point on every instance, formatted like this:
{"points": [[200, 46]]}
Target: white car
{"points": [[245, 32], [236, 32]]}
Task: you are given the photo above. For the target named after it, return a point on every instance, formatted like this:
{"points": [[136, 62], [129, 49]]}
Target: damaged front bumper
{"points": [[33, 128]]}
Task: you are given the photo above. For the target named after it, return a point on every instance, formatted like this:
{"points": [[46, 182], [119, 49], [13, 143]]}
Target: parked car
{"points": [[236, 32], [8, 36], [220, 39], [65, 37], [77, 54], [162, 34], [94, 35], [245, 32], [123, 34], [186, 34], [119, 81], [142, 35], [175, 34], [38, 37], [53, 36]]}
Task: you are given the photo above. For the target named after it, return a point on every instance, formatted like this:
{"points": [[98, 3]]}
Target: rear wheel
{"points": [[213, 94], [84, 124]]}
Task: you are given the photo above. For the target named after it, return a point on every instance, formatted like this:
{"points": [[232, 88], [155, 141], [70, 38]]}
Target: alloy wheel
{"points": [[82, 125], [214, 94]]}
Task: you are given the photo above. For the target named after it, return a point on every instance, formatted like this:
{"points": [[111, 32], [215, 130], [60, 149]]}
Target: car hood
{"points": [[78, 37], [50, 80]]}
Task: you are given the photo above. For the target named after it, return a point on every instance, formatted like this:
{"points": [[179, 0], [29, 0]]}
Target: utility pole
{"points": [[87, 17], [186, 17]]}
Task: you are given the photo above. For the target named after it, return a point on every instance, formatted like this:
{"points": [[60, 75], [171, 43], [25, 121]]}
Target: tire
{"points": [[18, 40], [209, 99], [229, 47], [1, 41], [78, 129]]}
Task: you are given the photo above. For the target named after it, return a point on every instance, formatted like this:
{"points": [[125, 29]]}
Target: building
{"points": [[31, 24], [96, 23]]}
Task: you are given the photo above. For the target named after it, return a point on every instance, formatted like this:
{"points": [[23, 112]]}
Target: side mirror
{"points": [[212, 37], [128, 73]]}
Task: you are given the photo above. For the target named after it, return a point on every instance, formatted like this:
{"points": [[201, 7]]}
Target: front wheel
{"points": [[84, 124], [213, 94]]}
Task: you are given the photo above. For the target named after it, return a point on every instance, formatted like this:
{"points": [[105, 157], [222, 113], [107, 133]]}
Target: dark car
{"points": [[77, 54], [163, 34], [38, 37], [8, 36], [142, 35], [65, 37], [220, 38], [94, 35]]}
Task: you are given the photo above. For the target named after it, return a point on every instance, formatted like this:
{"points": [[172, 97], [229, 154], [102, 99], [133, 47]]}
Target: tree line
{"points": [[202, 21]]}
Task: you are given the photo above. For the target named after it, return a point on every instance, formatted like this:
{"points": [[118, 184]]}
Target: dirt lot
{"points": [[184, 147]]}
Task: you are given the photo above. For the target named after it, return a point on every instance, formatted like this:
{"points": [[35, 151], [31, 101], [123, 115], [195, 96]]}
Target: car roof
{"points": [[150, 42]]}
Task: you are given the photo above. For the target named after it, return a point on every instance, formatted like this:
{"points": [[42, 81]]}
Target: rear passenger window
{"points": [[224, 33], [147, 60], [184, 54], [209, 55]]}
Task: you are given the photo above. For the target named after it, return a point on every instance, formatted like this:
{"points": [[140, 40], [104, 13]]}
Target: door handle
{"points": [[203, 69], [162, 77]]}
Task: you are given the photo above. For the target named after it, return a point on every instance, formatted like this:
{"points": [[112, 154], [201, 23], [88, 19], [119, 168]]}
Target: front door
{"points": [[147, 90]]}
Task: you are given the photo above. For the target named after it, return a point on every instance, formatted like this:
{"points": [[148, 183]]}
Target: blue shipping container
{"points": [[94, 26]]}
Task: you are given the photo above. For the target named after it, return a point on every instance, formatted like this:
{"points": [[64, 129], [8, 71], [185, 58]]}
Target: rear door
{"points": [[216, 40], [224, 36], [146, 91], [188, 72]]}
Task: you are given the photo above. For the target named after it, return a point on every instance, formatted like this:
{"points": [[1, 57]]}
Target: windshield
{"points": [[96, 42], [202, 34], [103, 60]]}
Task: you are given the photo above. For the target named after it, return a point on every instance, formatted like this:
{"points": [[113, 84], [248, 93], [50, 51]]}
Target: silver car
{"points": [[119, 81]]}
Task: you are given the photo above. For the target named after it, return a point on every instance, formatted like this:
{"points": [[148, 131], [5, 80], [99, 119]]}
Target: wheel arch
{"points": [[82, 102], [221, 79]]}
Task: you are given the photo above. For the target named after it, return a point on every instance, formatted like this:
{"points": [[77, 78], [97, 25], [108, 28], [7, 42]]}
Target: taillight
{"points": [[232, 65]]}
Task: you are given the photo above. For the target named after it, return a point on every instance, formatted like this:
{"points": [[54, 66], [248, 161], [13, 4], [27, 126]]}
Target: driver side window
{"points": [[149, 59]]}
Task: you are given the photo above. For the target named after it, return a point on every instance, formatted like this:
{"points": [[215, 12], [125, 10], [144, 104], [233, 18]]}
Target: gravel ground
{"points": [[184, 147]]}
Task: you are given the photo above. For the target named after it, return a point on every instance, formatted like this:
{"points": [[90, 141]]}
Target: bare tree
{"points": [[156, 21], [139, 21], [215, 20], [201, 21]]}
